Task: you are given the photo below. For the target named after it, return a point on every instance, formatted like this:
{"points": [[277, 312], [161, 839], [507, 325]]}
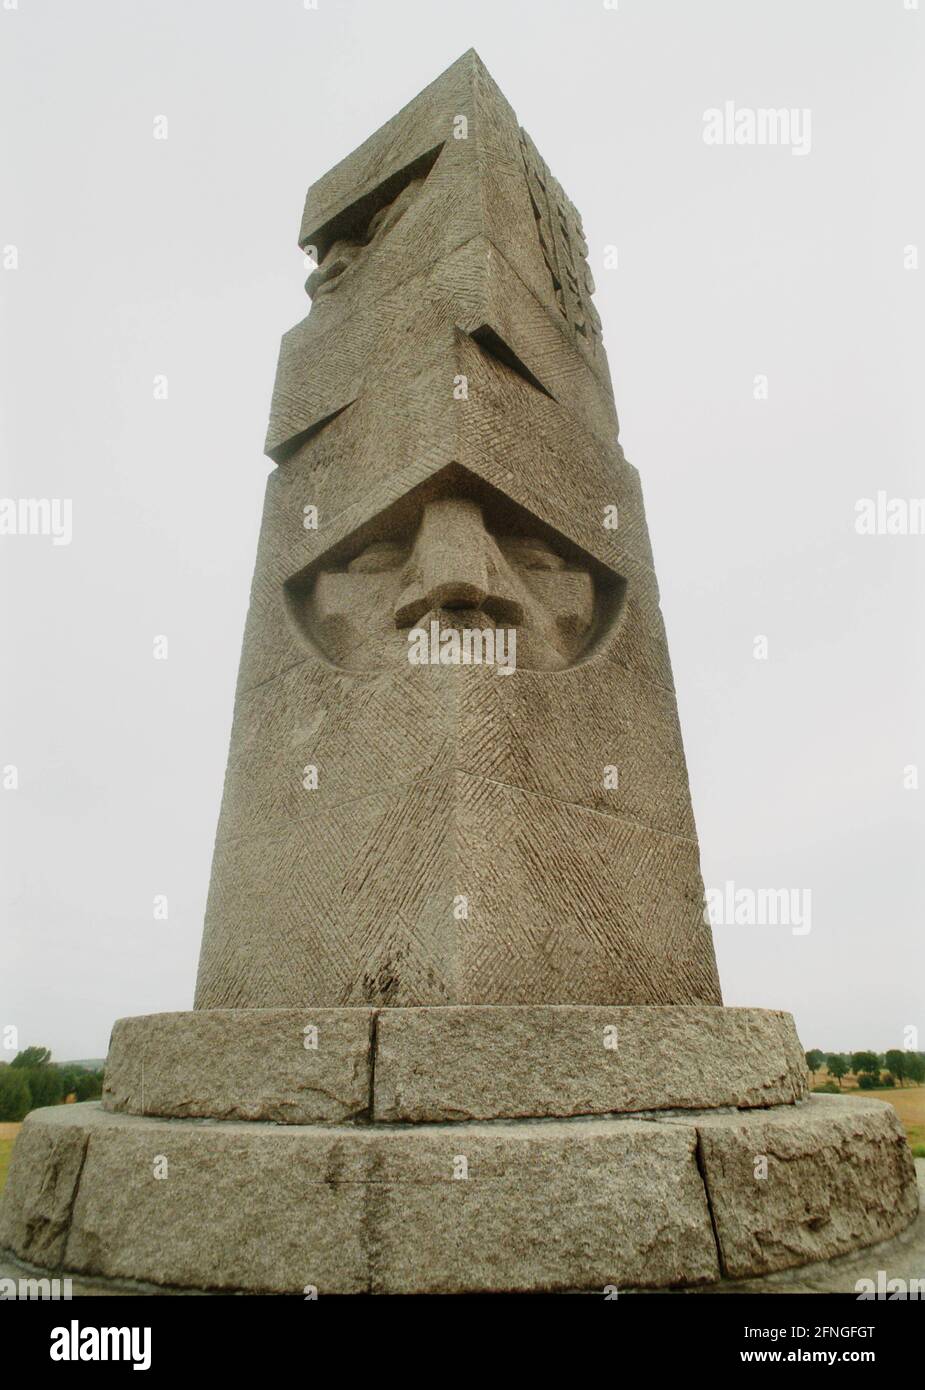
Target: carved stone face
{"points": [[344, 255], [460, 562]]}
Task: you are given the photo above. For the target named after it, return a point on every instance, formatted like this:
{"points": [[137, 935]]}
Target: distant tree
{"points": [[896, 1062], [915, 1067], [89, 1085], [32, 1057], [45, 1085], [868, 1062], [837, 1066], [869, 1080], [814, 1060], [15, 1096]]}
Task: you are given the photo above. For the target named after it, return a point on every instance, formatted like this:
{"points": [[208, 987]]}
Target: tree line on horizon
{"points": [[873, 1069], [33, 1080]]}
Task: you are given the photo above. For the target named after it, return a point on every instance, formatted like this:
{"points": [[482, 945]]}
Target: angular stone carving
{"points": [[449, 465], [463, 556], [565, 250], [458, 1025], [359, 236]]}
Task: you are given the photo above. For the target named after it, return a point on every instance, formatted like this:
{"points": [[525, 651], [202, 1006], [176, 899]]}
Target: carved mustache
{"points": [[462, 603], [326, 274]]}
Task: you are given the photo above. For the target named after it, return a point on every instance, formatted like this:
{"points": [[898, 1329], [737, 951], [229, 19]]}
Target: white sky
{"points": [[140, 256]]}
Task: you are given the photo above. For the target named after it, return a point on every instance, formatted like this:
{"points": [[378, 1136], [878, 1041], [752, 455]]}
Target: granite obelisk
{"points": [[456, 877]]}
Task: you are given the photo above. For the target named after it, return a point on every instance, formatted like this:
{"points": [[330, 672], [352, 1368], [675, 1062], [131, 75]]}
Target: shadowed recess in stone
{"points": [[491, 342], [367, 218], [456, 552], [292, 445]]}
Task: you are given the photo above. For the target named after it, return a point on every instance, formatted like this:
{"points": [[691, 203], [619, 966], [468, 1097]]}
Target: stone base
{"points": [[454, 1149], [890, 1269], [645, 1202], [466, 1062]]}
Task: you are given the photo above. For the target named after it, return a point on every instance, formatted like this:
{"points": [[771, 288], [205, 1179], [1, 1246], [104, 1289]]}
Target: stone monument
{"points": [[458, 1024]]}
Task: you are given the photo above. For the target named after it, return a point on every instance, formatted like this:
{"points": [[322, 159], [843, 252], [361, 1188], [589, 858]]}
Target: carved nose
{"points": [[451, 547]]}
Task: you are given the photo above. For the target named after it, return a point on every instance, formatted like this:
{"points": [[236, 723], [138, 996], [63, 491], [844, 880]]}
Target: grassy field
{"points": [[908, 1102], [7, 1134]]}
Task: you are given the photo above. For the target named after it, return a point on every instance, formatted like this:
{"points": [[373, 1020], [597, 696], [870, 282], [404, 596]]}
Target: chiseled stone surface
{"points": [[860, 1271], [544, 1204], [490, 1063], [560, 1204], [37, 1201], [242, 1064], [555, 1204], [397, 835], [448, 454], [840, 1175], [892, 1268], [450, 1063]]}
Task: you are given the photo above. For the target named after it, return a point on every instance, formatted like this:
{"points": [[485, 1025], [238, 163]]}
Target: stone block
{"points": [[501, 1062], [457, 1208], [36, 1203], [839, 1175], [242, 1064]]}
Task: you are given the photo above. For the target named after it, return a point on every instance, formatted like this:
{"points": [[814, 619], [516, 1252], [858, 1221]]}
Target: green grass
{"points": [[909, 1104], [6, 1148]]}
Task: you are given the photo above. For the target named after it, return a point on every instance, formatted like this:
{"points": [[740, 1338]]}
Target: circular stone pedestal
{"points": [[645, 1202], [452, 1062]]}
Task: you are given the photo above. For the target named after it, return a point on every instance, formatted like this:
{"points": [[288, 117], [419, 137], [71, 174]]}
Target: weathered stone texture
{"points": [[839, 1175], [567, 1204], [36, 1203], [242, 1064], [452, 354], [482, 182], [452, 1063], [861, 1273], [549, 1204], [557, 1205], [488, 1063]]}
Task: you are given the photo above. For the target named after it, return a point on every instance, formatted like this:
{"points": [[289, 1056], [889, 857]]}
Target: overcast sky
{"points": [[139, 257]]}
